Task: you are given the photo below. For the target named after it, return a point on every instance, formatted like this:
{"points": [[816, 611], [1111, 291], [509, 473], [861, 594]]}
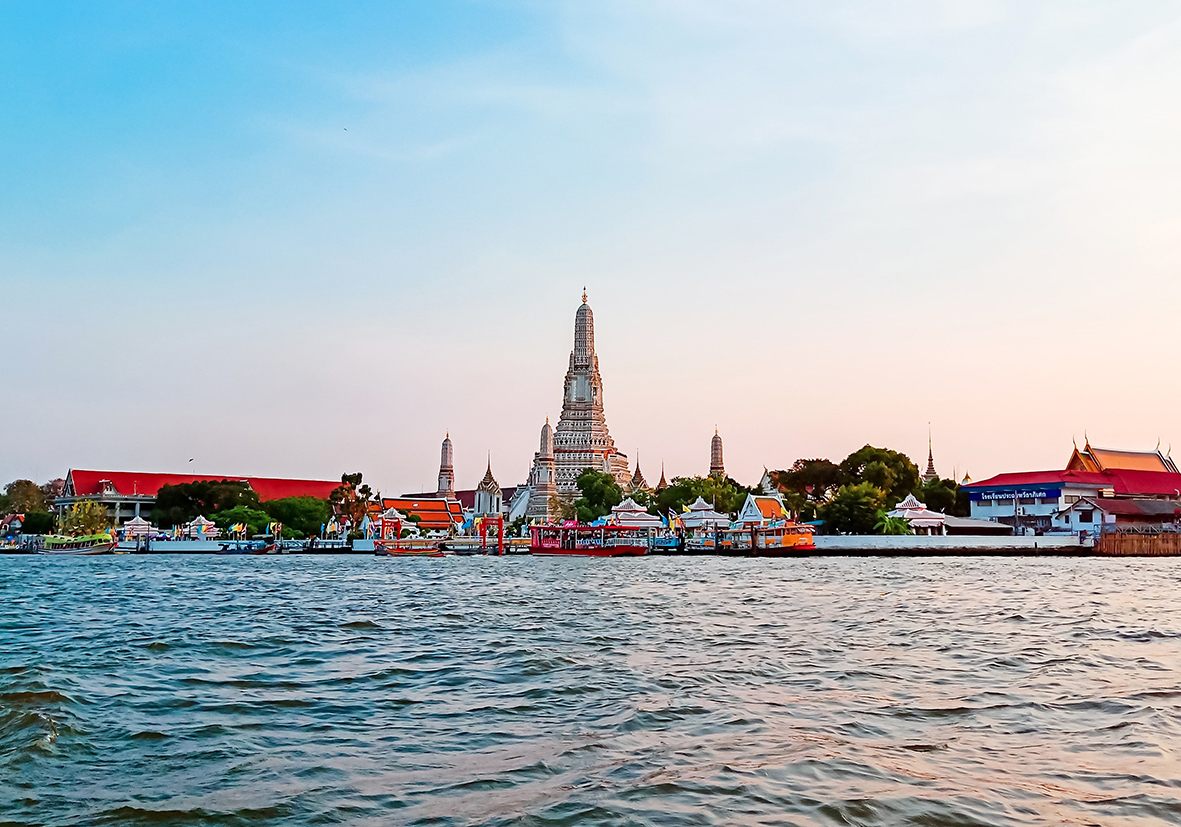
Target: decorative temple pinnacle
{"points": [[584, 294]]}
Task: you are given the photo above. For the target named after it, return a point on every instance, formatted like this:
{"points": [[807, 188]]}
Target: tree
{"points": [[5, 505], [853, 509], [39, 522], [890, 471], [25, 497], [891, 525], [723, 493], [304, 515], [51, 490], [180, 504], [254, 519], [350, 501], [815, 479], [600, 493], [794, 502], [86, 517], [946, 496]]}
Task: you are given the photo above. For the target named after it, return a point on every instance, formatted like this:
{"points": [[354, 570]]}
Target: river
{"points": [[516, 691]]}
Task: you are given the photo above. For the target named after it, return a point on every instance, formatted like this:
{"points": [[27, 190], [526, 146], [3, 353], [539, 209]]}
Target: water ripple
{"points": [[318, 690]]}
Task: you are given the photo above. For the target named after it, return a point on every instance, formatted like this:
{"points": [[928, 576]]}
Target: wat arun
{"points": [[581, 439]]}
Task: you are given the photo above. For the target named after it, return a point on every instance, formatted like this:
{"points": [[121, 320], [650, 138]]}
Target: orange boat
{"points": [[393, 548]]}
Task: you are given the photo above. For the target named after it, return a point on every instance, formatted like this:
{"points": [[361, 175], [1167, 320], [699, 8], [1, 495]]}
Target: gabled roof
{"points": [[83, 483], [770, 507], [1109, 459], [1128, 508], [433, 513]]}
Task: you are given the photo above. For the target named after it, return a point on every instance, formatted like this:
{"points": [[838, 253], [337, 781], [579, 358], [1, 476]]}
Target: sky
{"points": [[302, 239]]}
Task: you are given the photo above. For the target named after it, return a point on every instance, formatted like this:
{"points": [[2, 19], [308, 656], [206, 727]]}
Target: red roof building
{"points": [[128, 493], [434, 513], [1034, 499]]}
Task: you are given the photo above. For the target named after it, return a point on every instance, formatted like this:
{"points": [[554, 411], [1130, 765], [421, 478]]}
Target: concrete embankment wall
{"points": [[921, 544]]}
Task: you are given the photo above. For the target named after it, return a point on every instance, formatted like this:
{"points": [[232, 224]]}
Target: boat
{"points": [[88, 544], [783, 539], [257, 546], [575, 540], [395, 548]]}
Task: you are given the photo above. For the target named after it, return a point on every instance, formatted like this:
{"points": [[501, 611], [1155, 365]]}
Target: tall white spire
{"points": [[446, 469]]}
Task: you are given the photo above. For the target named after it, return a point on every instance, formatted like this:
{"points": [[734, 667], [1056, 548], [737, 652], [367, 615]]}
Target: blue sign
{"points": [[1021, 493]]}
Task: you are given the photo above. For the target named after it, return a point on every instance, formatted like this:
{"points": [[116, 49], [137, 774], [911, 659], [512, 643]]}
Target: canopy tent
{"points": [[918, 515], [202, 529], [702, 515], [631, 513], [137, 527]]}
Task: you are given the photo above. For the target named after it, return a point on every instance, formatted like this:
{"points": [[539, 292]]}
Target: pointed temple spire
{"points": [[930, 473]]}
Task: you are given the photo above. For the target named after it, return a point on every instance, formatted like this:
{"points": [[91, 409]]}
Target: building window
{"points": [[1071, 499], [1048, 501], [1085, 516], [1027, 501]]}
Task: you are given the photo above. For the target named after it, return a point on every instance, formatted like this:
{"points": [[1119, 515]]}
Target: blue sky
{"points": [[299, 239]]}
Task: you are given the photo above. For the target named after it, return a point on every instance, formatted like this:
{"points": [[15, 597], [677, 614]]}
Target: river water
{"points": [[316, 690]]}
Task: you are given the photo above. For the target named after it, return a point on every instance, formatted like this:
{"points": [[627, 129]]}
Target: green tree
{"points": [[304, 515], [891, 525], [890, 471], [642, 497], [255, 519], [39, 522], [180, 504], [815, 479], [25, 497], [722, 493], [853, 509], [600, 493], [939, 495], [86, 517], [5, 505], [794, 502]]}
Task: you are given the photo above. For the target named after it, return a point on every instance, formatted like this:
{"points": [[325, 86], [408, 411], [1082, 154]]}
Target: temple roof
{"points": [[1107, 459], [489, 482]]}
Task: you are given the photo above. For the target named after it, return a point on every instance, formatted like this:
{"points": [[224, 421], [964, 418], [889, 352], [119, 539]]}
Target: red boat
{"points": [[573, 540]]}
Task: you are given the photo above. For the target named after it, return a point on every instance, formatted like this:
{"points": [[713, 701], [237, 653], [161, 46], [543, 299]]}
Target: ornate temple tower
{"points": [[582, 439], [488, 495], [447, 470], [716, 466], [930, 473], [543, 477], [637, 483]]}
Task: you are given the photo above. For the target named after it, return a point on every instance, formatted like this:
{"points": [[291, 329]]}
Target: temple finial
{"points": [[584, 294]]}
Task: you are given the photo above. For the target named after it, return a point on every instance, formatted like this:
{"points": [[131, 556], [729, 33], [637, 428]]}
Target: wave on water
{"points": [[513, 691]]}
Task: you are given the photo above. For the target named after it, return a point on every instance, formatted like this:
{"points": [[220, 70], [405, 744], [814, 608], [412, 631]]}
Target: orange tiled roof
{"points": [[770, 508]]}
